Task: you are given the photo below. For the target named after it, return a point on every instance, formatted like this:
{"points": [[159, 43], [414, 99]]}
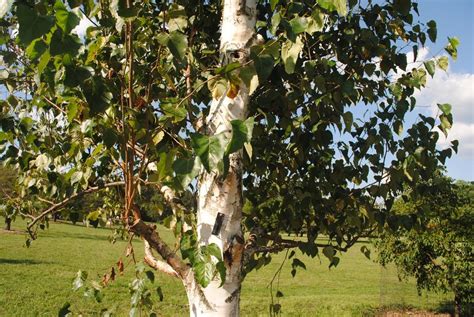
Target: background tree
{"points": [[7, 192], [433, 241], [297, 110]]}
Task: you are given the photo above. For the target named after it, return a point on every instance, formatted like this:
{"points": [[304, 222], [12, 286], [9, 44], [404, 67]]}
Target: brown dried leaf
{"points": [[120, 266], [129, 250]]}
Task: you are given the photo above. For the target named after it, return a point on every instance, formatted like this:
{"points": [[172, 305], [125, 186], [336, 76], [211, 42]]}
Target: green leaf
{"points": [[289, 54], [298, 24], [348, 120], [241, 133], [43, 62], [64, 44], [213, 249], [65, 19], [186, 170], [315, 21], [329, 252], [72, 110], [452, 47], [297, 263], [398, 127], [443, 63], [174, 110], [178, 43], [334, 5], [204, 272], [127, 13], [150, 275], [454, 42], [3, 74], [165, 164], [97, 95], [341, 7], [402, 6], [32, 25], [249, 77], [430, 67], [446, 123], [159, 292], [445, 108], [94, 49], [334, 262], [76, 177], [432, 31], [210, 149], [36, 49], [273, 4], [263, 66], [110, 137], [365, 251], [248, 149], [220, 267]]}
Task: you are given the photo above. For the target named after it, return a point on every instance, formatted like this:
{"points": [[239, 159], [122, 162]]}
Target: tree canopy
{"points": [[326, 144]]}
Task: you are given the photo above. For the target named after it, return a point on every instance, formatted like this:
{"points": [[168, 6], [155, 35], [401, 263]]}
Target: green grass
{"points": [[36, 281]]}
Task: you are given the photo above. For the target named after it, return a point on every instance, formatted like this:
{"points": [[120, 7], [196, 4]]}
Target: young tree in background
{"points": [[7, 192], [433, 240], [252, 119]]}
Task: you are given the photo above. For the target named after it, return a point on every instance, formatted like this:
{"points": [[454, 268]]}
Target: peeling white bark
{"points": [[157, 264], [224, 196]]}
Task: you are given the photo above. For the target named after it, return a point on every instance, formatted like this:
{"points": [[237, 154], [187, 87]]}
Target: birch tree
{"points": [[254, 120]]}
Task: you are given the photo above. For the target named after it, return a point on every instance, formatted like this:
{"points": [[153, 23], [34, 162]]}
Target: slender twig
{"points": [[45, 200], [90, 20]]}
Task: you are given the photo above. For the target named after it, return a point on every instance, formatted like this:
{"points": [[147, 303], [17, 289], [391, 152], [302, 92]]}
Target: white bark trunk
{"points": [[223, 197]]}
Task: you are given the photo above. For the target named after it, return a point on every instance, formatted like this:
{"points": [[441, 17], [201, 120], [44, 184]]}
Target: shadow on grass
{"points": [[23, 261], [74, 235], [447, 307], [398, 310]]}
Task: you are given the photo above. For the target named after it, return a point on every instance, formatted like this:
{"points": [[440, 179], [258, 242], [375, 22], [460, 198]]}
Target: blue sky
{"points": [[454, 18]]}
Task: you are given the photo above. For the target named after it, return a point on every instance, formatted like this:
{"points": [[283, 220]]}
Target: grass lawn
{"points": [[36, 281]]}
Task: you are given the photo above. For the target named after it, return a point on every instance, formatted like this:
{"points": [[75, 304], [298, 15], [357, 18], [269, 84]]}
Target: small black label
{"points": [[218, 224]]}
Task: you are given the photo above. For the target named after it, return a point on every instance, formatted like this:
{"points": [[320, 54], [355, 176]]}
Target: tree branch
{"points": [[174, 202], [55, 207], [149, 233], [280, 244], [157, 264]]}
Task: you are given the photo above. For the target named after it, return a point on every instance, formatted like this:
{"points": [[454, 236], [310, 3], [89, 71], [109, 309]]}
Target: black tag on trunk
{"points": [[218, 224]]}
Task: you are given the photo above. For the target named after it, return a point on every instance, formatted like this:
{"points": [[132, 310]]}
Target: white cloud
{"points": [[456, 89], [453, 88], [81, 28], [464, 133], [421, 56], [411, 62]]}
